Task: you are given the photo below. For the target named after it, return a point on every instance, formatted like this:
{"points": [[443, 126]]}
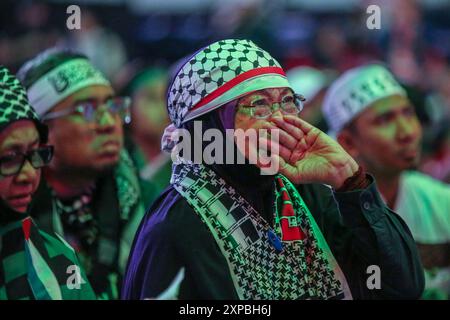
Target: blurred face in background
{"points": [[312, 113], [385, 137], [148, 113], [82, 144], [16, 190]]}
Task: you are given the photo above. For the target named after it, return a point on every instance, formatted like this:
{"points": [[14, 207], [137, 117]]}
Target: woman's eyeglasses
{"points": [[93, 112], [12, 164], [263, 108]]}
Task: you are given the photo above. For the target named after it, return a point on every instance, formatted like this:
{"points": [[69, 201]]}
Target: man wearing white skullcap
{"points": [[370, 115]]}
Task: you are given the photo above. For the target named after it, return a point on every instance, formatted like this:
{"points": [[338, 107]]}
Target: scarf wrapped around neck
{"points": [[290, 260], [36, 265]]}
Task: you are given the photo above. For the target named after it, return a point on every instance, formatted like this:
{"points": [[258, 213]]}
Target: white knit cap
{"points": [[356, 90]]}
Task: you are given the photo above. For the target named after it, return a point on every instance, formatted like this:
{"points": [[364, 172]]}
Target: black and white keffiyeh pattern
{"points": [[14, 103], [220, 73], [304, 269]]}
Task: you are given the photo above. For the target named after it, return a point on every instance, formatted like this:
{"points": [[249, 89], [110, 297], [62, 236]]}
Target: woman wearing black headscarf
{"points": [[33, 264], [242, 231]]}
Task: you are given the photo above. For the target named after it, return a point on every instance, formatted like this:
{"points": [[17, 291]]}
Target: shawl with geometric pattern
{"points": [[264, 262], [37, 266]]}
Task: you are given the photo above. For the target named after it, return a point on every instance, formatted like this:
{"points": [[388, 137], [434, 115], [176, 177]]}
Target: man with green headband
{"points": [[314, 228], [91, 193], [371, 116]]}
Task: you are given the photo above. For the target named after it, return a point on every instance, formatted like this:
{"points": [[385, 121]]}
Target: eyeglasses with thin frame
{"points": [[13, 163], [92, 112], [262, 109]]}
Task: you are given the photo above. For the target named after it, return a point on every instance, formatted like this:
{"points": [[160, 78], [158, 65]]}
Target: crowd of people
{"points": [[90, 186]]}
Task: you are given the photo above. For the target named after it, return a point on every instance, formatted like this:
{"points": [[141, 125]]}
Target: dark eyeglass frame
{"points": [[45, 154], [298, 102], [89, 110]]}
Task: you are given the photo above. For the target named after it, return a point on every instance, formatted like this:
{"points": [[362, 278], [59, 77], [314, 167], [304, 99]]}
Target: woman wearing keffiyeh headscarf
{"points": [[33, 264], [309, 231]]}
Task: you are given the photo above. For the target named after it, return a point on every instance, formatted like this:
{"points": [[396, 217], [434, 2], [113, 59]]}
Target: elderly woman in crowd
{"points": [[33, 264], [316, 229]]}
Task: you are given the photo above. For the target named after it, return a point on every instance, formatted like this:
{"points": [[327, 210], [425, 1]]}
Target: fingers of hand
{"points": [[289, 128], [275, 148], [283, 138], [296, 121], [260, 154]]}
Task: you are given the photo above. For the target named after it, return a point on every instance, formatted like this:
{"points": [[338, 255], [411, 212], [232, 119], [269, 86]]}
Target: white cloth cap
{"points": [[356, 90]]}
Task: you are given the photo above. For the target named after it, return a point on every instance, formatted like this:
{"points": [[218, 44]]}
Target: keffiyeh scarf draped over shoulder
{"points": [[264, 262], [117, 200], [35, 265]]}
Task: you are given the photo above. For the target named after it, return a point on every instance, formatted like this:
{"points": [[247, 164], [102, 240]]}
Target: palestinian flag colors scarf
{"points": [[290, 261], [37, 266]]}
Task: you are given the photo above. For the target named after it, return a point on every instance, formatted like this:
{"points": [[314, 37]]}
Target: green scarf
{"points": [[117, 209], [35, 265]]}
